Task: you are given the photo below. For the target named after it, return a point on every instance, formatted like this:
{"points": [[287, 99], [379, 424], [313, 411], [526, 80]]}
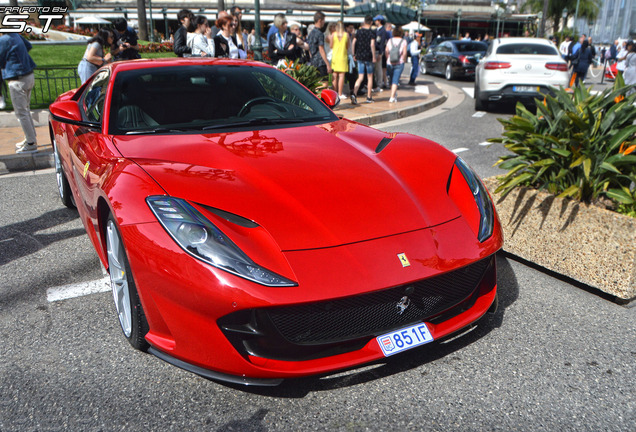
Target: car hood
{"points": [[309, 187]]}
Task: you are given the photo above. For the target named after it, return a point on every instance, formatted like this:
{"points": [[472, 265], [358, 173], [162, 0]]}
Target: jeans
{"points": [[393, 73], [415, 68], [20, 91]]}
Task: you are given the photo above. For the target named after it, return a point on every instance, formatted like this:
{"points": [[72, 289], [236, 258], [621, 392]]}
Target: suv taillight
{"points": [[563, 67], [496, 65]]}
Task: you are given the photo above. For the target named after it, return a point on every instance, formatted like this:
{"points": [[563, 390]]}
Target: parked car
{"points": [[453, 59], [251, 235], [518, 69]]}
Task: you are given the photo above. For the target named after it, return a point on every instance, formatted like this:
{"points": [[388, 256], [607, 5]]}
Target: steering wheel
{"points": [[256, 101]]}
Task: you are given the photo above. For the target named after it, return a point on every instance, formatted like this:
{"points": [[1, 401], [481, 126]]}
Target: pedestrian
{"points": [[251, 39], [215, 29], [414, 52], [125, 46], [180, 46], [564, 48], [396, 53], [339, 57], [17, 70], [380, 45], [202, 43], [226, 44], [467, 36], [272, 28], [316, 41], [581, 62], [237, 13], [620, 58], [630, 66], [364, 54], [302, 47], [351, 76], [282, 44], [94, 56]]}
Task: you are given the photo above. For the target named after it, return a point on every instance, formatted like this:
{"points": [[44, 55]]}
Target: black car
{"points": [[453, 58]]}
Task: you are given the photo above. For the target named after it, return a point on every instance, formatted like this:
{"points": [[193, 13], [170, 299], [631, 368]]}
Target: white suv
{"points": [[519, 69]]}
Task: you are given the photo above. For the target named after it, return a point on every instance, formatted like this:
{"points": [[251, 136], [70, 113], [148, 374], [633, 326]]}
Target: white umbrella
{"points": [[415, 26], [92, 20]]}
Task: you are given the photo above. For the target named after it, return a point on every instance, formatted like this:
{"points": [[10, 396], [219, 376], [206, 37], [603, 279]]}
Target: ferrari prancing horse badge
{"points": [[404, 260]]}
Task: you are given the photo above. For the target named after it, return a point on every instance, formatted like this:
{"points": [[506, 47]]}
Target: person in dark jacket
{"points": [[180, 46], [282, 44], [582, 60], [125, 46], [226, 44]]}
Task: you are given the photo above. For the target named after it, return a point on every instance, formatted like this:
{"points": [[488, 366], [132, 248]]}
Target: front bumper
{"points": [[221, 326]]}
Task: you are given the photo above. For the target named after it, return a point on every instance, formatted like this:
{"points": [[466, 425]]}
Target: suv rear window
{"points": [[526, 49]]}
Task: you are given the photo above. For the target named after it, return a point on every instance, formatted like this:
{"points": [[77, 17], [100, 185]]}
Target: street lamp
{"points": [[539, 18], [576, 16], [459, 20], [565, 19], [258, 45], [499, 13]]}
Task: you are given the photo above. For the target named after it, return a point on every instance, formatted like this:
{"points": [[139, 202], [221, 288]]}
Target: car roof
{"points": [[181, 62], [516, 40]]}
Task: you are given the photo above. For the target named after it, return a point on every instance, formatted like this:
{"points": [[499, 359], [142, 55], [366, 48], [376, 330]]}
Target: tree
{"points": [[143, 22], [587, 9]]}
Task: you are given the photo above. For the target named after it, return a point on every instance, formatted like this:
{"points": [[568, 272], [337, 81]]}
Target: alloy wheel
{"points": [[118, 278]]}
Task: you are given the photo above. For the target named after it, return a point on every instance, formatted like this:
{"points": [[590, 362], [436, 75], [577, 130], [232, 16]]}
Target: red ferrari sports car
{"points": [[251, 235]]}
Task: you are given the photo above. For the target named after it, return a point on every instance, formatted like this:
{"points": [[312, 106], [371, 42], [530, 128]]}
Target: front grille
{"points": [[378, 312]]}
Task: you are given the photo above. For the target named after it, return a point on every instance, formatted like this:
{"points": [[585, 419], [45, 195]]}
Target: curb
{"points": [[44, 159]]}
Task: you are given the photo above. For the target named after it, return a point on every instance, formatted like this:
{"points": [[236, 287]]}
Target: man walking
{"points": [[17, 70], [316, 41], [414, 52], [364, 54]]}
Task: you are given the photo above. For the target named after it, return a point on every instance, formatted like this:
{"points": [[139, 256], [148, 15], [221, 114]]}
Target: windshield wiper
{"points": [[163, 129], [255, 122]]}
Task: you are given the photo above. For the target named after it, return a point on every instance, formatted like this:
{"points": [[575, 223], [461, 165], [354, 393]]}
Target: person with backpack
{"points": [[396, 52]]}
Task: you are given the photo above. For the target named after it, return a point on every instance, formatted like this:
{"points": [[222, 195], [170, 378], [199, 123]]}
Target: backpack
{"points": [[394, 54]]}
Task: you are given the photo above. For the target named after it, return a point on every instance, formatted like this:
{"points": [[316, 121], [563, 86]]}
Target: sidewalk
{"points": [[411, 100]]}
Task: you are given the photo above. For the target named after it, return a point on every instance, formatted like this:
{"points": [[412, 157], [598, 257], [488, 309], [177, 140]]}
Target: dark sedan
{"points": [[453, 59]]}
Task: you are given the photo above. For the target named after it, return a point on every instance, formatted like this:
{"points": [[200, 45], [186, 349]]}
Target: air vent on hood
{"points": [[231, 217], [383, 143]]}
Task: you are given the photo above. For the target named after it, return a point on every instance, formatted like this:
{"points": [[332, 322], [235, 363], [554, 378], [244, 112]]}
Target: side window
{"points": [[94, 96]]}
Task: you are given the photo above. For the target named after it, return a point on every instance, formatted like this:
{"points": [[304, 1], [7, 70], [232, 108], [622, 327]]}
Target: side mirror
{"points": [[67, 111], [330, 98]]}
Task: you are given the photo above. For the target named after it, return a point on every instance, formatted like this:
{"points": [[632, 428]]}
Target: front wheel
{"points": [[449, 72], [423, 70], [129, 310]]}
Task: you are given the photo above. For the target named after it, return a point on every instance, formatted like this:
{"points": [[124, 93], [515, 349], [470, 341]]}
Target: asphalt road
{"points": [[554, 357]]}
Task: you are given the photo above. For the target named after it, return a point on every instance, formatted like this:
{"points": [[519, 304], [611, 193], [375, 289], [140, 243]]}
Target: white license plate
{"points": [[403, 339], [525, 89]]}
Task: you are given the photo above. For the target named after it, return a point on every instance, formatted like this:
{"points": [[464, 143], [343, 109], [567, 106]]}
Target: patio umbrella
{"points": [[415, 26], [92, 20]]}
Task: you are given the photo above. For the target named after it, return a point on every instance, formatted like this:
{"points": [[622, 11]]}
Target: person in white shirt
{"points": [[621, 56], [414, 52], [564, 49], [202, 42]]}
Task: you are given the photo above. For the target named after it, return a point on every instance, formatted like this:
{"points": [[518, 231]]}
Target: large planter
{"points": [[584, 242]]}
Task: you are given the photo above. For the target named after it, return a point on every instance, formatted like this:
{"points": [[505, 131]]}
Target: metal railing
{"points": [[50, 82]]}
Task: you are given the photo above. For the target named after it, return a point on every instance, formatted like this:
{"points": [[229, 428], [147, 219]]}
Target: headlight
{"points": [[481, 197], [201, 239]]}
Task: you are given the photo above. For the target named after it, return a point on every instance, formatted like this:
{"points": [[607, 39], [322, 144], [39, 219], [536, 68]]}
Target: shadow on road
{"points": [[508, 291]]}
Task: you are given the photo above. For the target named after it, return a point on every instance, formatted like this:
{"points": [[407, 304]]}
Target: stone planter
{"points": [[586, 243]]}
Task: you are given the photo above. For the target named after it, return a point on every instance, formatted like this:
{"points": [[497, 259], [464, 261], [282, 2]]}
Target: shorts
{"points": [[365, 67], [394, 72]]}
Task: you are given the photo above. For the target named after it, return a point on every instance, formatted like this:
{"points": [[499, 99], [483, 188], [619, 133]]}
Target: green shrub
{"points": [[578, 145], [305, 74]]}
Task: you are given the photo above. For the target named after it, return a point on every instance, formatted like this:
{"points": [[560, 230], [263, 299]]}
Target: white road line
{"points": [[470, 91], [479, 114], [423, 89], [459, 150], [485, 143], [77, 290]]}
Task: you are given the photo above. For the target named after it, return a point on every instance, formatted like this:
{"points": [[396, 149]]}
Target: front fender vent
{"points": [[383, 143]]}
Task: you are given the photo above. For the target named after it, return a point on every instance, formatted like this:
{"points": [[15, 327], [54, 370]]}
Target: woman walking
{"points": [[582, 61], [395, 57], [339, 57], [94, 56]]}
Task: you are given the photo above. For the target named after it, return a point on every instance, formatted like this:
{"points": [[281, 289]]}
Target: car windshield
{"points": [[178, 99], [526, 49], [471, 46]]}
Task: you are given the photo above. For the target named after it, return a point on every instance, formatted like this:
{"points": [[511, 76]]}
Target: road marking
{"points": [[470, 91], [485, 143], [459, 150], [479, 114], [423, 89], [78, 289]]}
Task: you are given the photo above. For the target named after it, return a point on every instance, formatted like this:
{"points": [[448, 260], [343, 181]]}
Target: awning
{"points": [[395, 14], [92, 20]]}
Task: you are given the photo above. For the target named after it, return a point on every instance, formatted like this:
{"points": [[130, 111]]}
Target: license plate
{"points": [[405, 338], [525, 89]]}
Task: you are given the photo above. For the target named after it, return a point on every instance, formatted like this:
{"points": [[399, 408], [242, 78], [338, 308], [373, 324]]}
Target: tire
{"points": [[130, 313], [63, 188], [480, 104], [423, 69], [449, 72]]}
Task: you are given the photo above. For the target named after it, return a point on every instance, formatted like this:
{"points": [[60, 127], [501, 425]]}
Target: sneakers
{"points": [[393, 100], [24, 147], [370, 100], [377, 90], [354, 99], [342, 97]]}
